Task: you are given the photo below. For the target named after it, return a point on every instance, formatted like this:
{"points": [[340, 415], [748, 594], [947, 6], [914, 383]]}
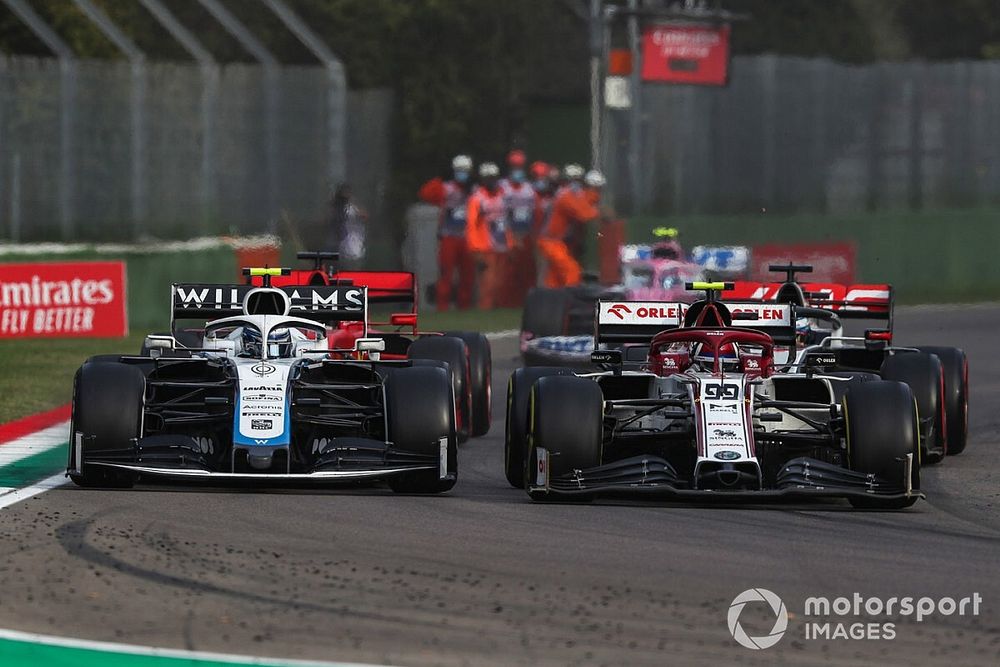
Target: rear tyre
{"points": [[566, 419], [925, 377], [452, 351], [515, 444], [481, 376], [107, 410], [955, 367], [882, 429], [851, 379], [545, 313], [420, 411]]}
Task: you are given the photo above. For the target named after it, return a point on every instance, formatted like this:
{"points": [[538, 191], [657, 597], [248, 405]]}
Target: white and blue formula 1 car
{"points": [[264, 400]]}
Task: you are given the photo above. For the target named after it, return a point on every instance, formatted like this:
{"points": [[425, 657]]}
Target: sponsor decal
{"points": [[729, 408], [725, 434], [641, 312], [261, 424], [262, 397], [63, 300], [618, 309], [264, 387], [727, 390], [751, 363], [263, 368], [727, 455], [254, 413]]}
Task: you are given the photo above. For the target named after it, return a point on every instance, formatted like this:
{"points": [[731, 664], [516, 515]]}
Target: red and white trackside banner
{"points": [[63, 300]]}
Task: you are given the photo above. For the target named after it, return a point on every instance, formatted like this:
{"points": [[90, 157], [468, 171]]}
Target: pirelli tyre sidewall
{"points": [[481, 377], [565, 419], [108, 398], [955, 367], [924, 375], [420, 411], [882, 427], [516, 424]]}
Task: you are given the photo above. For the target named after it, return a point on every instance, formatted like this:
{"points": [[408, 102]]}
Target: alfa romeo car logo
{"points": [[780, 621], [263, 368]]}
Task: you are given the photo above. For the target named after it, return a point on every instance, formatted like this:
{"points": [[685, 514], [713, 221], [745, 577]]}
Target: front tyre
{"points": [[419, 411], [515, 444], [882, 430], [107, 412], [453, 352], [566, 420]]}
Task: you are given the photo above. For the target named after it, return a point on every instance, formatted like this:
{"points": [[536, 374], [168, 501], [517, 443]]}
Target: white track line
{"points": [[17, 495], [132, 649]]}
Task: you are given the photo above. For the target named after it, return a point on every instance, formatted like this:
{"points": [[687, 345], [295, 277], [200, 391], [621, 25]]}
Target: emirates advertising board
{"points": [[63, 300], [694, 54]]}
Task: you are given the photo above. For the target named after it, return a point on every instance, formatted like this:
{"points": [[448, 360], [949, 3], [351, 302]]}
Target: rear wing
{"points": [[638, 321], [196, 301], [777, 320], [857, 301], [635, 321], [383, 286]]}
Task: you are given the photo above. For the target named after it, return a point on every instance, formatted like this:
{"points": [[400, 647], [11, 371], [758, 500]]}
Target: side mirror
{"points": [[403, 319], [373, 346], [155, 342]]}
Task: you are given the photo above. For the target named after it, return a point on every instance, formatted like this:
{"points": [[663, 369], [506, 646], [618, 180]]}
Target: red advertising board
{"points": [[686, 54], [63, 300], [832, 262]]}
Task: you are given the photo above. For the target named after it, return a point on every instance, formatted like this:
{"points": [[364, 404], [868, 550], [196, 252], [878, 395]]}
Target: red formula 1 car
{"points": [[937, 375]]}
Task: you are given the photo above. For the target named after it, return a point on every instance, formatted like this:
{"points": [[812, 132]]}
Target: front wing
{"points": [[652, 476]]}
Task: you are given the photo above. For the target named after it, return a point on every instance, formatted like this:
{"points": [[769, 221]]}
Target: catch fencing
{"points": [[97, 150], [811, 135]]}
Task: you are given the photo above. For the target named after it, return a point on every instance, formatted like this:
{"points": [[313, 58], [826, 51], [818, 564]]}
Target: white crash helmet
{"points": [[489, 170], [462, 163], [573, 172], [595, 179]]}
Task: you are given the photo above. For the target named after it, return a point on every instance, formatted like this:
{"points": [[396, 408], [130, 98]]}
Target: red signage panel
{"points": [[686, 54], [63, 300]]}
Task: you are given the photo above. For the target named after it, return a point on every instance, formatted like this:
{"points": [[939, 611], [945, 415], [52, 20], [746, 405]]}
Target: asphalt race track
{"points": [[483, 576]]}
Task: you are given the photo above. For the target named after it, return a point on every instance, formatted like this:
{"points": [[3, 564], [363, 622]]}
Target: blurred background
{"points": [[137, 122]]}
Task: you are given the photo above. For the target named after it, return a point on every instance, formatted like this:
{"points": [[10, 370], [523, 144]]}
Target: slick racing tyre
{"points": [[420, 411], [924, 374], [956, 394], [515, 442], [566, 420], [545, 313], [882, 429], [107, 411], [481, 375], [453, 352]]}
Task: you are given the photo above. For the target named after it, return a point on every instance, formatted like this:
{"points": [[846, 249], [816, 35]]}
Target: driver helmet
{"points": [[251, 342], [279, 343], [728, 353]]}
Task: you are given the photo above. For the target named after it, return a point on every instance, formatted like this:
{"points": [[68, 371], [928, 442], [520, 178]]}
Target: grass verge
{"points": [[38, 374]]}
